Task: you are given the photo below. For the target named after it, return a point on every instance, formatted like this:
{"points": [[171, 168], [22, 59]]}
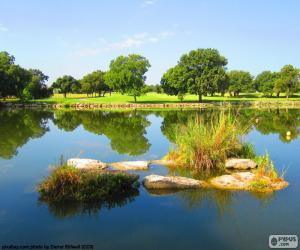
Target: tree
{"points": [[239, 81], [265, 82], [66, 84], [200, 70], [13, 78], [288, 81], [94, 83], [127, 74], [36, 88], [173, 82]]}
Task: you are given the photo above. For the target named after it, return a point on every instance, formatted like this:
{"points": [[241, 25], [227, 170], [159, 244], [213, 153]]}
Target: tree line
{"points": [[201, 72]]}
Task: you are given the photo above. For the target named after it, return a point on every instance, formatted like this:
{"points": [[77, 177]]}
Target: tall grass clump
{"points": [[267, 178], [207, 146]]}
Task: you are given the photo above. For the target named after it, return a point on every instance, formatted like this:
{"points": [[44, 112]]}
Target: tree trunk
{"points": [[199, 97], [110, 93], [278, 94], [65, 95], [135, 99]]}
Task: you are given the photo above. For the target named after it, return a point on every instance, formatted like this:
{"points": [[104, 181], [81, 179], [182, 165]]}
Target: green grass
{"points": [[66, 183], [207, 146], [154, 98]]}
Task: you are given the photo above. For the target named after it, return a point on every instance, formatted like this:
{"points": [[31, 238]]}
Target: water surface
{"points": [[33, 140]]}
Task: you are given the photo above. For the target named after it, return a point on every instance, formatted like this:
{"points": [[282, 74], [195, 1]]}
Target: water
{"points": [[31, 141]]}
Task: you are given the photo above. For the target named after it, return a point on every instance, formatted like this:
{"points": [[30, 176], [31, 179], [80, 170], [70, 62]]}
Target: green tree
{"points": [[201, 68], [127, 74], [288, 81], [239, 81], [174, 82], [94, 83], [36, 88], [66, 84], [13, 78], [265, 82]]}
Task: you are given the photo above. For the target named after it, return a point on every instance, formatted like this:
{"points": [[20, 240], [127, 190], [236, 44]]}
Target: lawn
{"points": [[154, 98]]}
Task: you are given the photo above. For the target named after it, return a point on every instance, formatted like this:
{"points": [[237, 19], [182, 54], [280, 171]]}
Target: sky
{"points": [[76, 37]]}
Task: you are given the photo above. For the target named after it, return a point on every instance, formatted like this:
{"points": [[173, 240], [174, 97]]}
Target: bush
{"points": [[69, 183]]}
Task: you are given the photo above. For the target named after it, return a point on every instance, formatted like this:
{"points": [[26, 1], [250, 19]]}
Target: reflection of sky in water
{"points": [[184, 220]]}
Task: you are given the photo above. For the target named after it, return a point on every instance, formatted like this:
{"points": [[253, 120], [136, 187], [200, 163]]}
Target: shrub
{"points": [[69, 183], [265, 167]]}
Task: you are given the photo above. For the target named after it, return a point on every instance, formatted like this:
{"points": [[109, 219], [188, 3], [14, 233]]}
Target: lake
{"points": [[31, 141]]}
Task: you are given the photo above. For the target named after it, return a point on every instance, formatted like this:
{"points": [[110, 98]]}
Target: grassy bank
{"points": [[154, 98]]}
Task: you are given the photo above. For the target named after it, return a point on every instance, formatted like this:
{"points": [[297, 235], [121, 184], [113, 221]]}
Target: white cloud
{"points": [[134, 41], [3, 28], [150, 2]]}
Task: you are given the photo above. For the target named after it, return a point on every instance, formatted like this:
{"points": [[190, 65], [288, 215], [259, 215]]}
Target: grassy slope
{"points": [[154, 98]]}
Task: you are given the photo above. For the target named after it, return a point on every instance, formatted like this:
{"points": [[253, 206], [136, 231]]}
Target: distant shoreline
{"points": [[183, 105]]}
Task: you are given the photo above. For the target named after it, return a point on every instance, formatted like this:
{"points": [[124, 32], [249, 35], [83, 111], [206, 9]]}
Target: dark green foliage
{"points": [[240, 81], [68, 183], [36, 88], [19, 82], [288, 80], [174, 82], [127, 74], [66, 84], [203, 71], [94, 83], [19, 126], [265, 82]]}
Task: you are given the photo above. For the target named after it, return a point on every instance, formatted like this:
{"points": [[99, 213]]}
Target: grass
{"points": [[207, 146], [152, 98], [267, 178], [66, 183]]}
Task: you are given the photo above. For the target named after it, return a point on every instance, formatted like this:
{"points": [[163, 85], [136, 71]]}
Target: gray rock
{"points": [[130, 165], [171, 182], [241, 164], [86, 163]]}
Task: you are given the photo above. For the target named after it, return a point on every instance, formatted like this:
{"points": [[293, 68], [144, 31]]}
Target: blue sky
{"points": [[78, 36]]}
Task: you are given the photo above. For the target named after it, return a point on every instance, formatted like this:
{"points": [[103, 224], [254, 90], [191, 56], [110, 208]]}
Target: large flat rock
{"points": [[237, 181], [130, 165], [171, 182], [86, 163], [241, 164]]}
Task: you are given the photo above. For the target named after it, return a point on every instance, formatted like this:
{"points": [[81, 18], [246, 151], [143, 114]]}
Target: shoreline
{"points": [[196, 105]]}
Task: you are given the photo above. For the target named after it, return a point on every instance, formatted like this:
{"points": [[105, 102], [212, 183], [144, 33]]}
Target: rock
{"points": [[164, 162], [130, 165], [171, 182], [241, 164], [236, 181], [86, 163]]}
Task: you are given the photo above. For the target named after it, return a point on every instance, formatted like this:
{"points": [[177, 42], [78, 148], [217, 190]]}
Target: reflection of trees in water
{"points": [[67, 209], [126, 130], [66, 120], [277, 121], [17, 127]]}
